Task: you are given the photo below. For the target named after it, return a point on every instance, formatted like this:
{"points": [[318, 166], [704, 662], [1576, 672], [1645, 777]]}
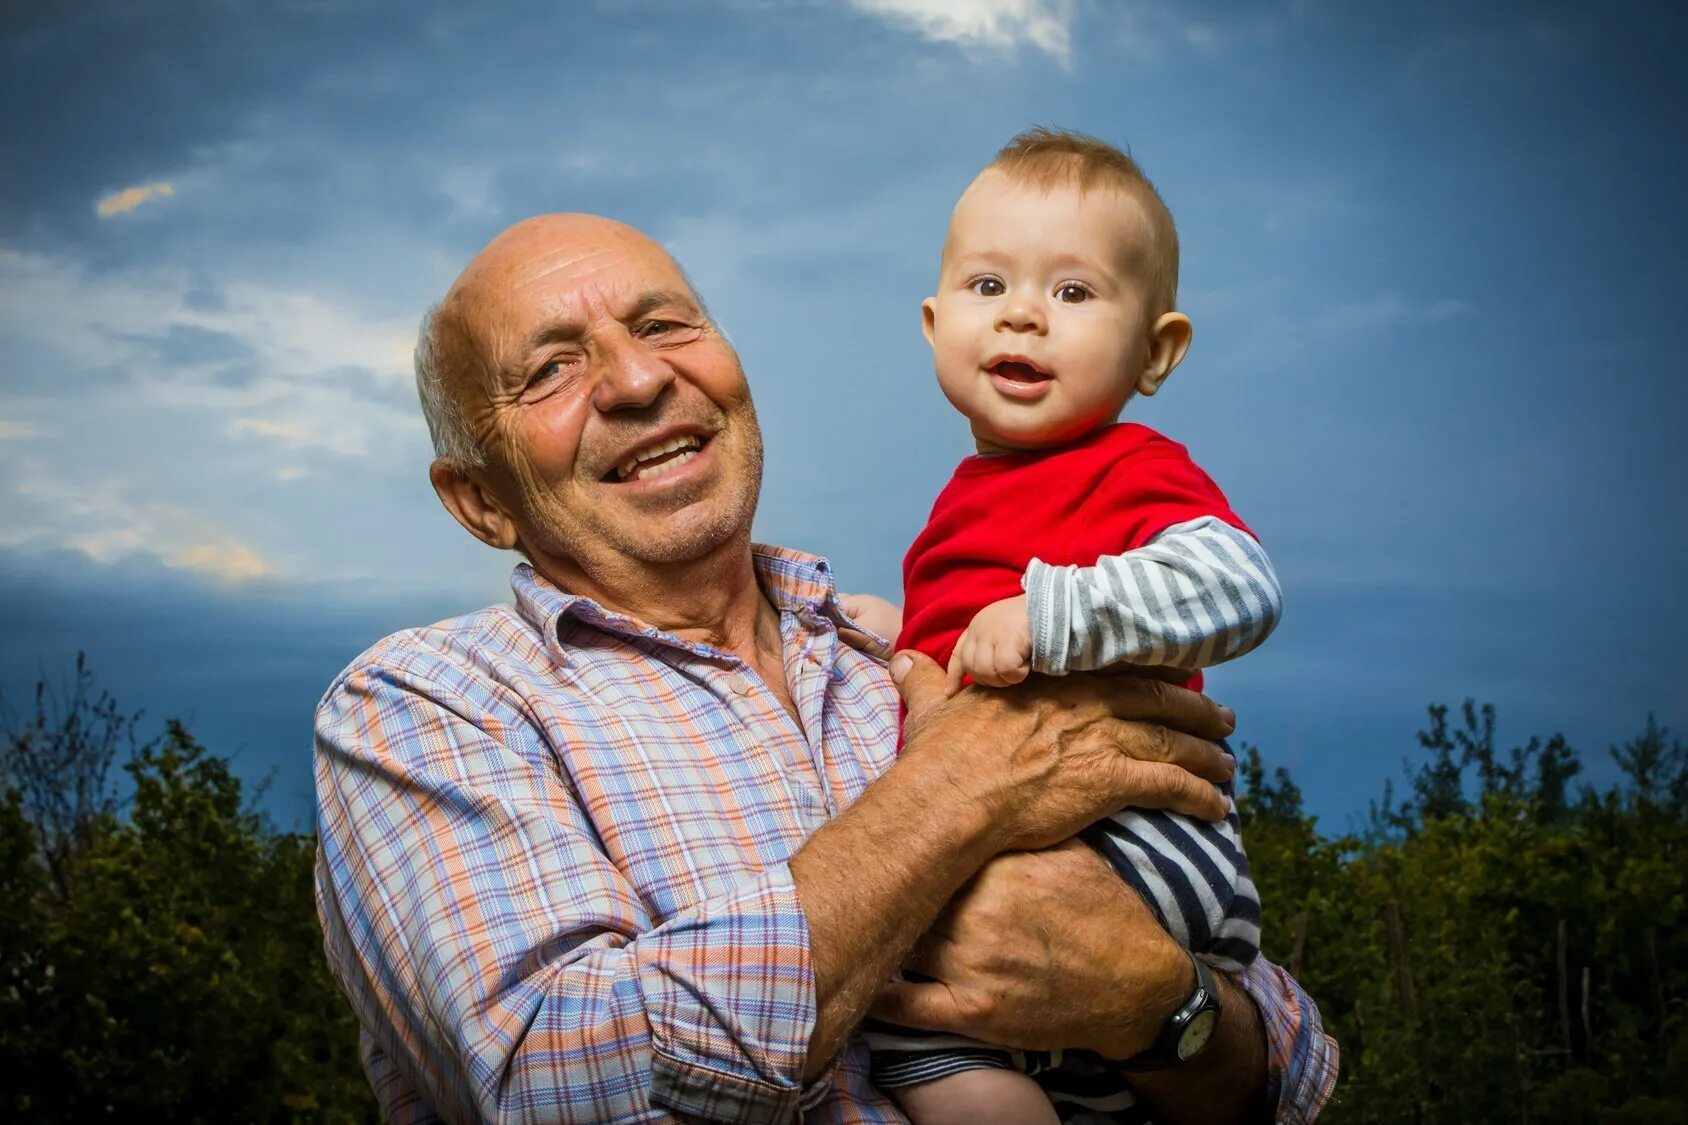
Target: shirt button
{"points": [[739, 684]]}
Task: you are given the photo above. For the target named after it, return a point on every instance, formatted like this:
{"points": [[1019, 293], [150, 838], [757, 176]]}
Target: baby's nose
{"points": [[1022, 315]]}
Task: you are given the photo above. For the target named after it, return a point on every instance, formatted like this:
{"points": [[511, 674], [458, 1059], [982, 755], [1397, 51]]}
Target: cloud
{"points": [[112, 520], [288, 433], [1449, 309], [232, 562], [243, 663], [342, 379], [1361, 318], [189, 344], [211, 424], [1005, 24], [125, 201]]}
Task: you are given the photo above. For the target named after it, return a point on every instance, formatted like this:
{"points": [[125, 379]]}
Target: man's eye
{"points": [[987, 286], [552, 369], [1072, 293], [668, 331]]}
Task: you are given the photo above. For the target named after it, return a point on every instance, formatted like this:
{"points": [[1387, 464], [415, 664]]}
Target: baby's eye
{"points": [[987, 286], [1072, 293]]}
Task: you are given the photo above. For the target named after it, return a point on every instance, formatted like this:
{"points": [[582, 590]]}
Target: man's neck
{"points": [[714, 600]]}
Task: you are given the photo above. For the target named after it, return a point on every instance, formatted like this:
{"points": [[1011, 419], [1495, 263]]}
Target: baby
{"points": [[1073, 541]]}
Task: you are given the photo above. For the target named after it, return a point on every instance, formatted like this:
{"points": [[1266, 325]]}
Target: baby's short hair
{"points": [[1048, 158]]}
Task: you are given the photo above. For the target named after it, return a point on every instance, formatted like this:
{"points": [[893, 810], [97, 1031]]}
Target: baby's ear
{"points": [[928, 316], [1169, 339]]}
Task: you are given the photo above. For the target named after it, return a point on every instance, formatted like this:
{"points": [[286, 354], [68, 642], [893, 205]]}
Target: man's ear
{"points": [[472, 504], [1169, 339], [928, 316]]}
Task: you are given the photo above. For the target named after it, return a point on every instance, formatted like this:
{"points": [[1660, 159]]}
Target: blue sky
{"points": [[1434, 258]]}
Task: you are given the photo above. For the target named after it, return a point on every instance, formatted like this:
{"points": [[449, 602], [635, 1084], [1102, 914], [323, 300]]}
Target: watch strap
{"points": [[1163, 1053]]}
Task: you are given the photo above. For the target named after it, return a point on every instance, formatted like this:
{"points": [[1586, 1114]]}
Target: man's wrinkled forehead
{"points": [[558, 269]]}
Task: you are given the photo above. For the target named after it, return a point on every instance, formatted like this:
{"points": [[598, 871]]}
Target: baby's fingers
{"points": [[1007, 665], [958, 665]]}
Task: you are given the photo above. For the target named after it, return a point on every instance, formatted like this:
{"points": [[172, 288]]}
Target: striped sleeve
{"points": [[498, 957], [1198, 594]]}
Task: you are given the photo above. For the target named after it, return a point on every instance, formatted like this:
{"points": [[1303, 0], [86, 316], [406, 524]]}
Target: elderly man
{"points": [[641, 848]]}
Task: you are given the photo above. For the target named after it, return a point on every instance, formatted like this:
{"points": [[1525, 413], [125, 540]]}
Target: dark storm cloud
{"points": [[188, 344], [243, 666], [1434, 255]]}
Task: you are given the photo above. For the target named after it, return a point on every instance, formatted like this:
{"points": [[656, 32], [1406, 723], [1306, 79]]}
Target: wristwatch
{"points": [[1187, 1031]]}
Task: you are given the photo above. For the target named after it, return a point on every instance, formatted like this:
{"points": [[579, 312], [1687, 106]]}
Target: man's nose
{"points": [[631, 376], [1022, 312]]}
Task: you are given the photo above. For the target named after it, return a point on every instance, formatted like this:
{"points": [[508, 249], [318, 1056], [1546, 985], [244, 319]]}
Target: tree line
{"points": [[1503, 943]]}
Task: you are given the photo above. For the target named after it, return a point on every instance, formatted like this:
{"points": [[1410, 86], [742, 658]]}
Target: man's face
{"points": [[1039, 326], [616, 420]]}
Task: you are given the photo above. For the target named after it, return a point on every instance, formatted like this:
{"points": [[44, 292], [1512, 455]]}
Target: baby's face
{"points": [[1040, 326]]}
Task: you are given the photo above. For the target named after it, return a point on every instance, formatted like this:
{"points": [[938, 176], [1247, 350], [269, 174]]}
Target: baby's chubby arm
{"points": [[1200, 593]]}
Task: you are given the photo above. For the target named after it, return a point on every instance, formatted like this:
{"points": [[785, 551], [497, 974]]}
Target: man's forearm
{"points": [[872, 880], [1226, 1082]]}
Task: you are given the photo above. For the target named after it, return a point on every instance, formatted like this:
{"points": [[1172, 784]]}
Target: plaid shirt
{"points": [[553, 870]]}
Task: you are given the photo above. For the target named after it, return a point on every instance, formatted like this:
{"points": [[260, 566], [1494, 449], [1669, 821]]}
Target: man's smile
{"points": [[659, 457], [662, 459]]}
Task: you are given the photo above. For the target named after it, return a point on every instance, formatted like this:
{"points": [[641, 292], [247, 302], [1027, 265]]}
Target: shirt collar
{"points": [[795, 582]]}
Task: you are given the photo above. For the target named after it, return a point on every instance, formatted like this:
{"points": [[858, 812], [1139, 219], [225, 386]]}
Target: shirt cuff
{"points": [[730, 996], [1048, 604], [1302, 1061]]}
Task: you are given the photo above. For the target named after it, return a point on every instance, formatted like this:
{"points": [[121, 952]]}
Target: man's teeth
{"points": [[667, 466], [634, 468]]}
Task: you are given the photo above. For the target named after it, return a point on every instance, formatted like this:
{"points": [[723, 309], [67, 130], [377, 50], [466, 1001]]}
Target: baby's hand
{"points": [[996, 648], [871, 613]]}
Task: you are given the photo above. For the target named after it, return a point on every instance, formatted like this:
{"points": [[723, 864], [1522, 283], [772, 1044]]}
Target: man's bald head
{"points": [[453, 357]]}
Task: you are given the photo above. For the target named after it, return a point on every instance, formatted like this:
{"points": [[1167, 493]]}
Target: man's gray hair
{"points": [[440, 406], [447, 425]]}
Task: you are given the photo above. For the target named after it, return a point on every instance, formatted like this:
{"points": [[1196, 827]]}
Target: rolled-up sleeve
{"points": [[1303, 1060], [499, 959]]}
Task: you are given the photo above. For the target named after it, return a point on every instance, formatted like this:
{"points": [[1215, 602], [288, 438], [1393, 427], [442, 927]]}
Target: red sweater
{"points": [[1111, 491]]}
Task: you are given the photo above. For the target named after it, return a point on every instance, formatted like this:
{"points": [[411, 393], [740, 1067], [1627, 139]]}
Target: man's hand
{"points": [[980, 774], [996, 647], [1045, 950], [1050, 949], [1043, 761]]}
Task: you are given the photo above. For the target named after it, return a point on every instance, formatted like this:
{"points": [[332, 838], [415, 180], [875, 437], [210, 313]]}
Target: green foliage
{"points": [[160, 957], [164, 964], [1431, 941]]}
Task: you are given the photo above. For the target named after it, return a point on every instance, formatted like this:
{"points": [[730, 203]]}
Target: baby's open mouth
{"points": [[657, 459], [1019, 371]]}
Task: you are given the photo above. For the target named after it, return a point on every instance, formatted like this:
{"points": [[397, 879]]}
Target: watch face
{"points": [[1196, 1034]]}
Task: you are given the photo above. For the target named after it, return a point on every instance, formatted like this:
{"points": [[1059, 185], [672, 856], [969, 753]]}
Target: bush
{"points": [[1498, 948], [160, 954]]}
